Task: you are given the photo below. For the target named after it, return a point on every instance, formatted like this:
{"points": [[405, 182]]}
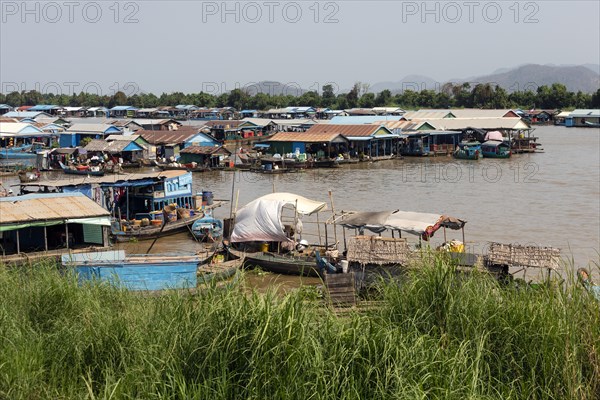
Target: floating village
{"points": [[126, 175]]}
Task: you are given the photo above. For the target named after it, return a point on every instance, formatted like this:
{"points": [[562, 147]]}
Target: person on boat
{"points": [[586, 280]]}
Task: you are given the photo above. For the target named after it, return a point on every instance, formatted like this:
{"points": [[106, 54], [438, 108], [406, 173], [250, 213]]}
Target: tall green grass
{"points": [[436, 335]]}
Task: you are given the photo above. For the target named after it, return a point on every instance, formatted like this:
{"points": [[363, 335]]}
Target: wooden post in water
{"points": [[45, 238], [445, 235], [18, 243], [67, 234], [333, 213], [319, 228]]}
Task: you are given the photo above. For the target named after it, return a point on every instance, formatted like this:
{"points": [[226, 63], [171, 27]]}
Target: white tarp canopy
{"points": [[260, 220], [304, 206], [406, 221]]}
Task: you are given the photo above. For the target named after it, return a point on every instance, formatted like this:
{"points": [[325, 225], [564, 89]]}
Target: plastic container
{"points": [[207, 197], [156, 222], [264, 247], [344, 265]]}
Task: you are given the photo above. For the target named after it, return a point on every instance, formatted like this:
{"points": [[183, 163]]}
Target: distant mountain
{"points": [[274, 88], [410, 82], [531, 76]]}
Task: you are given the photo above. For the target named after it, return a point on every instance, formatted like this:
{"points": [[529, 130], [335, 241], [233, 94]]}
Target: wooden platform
{"points": [[341, 289]]}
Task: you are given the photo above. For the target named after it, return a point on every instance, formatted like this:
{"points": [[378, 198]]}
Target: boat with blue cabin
{"points": [[496, 149], [468, 151]]}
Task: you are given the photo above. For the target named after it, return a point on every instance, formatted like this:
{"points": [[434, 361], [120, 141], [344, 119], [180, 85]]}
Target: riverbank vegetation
{"points": [[449, 95], [437, 335]]}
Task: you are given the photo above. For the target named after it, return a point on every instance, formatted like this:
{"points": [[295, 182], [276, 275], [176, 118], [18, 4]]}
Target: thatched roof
{"points": [[378, 250]]}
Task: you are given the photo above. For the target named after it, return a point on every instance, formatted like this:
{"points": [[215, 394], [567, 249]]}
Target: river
{"points": [[548, 199]]}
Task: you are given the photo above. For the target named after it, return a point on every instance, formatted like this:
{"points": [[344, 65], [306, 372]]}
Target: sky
{"points": [[214, 46]]}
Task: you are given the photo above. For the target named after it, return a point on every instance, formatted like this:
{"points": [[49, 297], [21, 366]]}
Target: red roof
{"points": [[346, 130]]}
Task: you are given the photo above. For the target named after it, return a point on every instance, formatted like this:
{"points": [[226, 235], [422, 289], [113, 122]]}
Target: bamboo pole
{"points": [[18, 242], [67, 233], [45, 237]]}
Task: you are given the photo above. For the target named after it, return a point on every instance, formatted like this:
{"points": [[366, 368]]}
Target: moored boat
{"points": [[147, 272], [208, 228], [496, 149], [259, 227], [82, 170], [468, 151], [23, 151]]}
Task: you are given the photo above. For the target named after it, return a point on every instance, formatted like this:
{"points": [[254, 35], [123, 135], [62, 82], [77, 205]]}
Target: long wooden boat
{"points": [[182, 167], [326, 163], [468, 151], [207, 228], [136, 272], [153, 231], [81, 170], [287, 264], [495, 149], [25, 151]]}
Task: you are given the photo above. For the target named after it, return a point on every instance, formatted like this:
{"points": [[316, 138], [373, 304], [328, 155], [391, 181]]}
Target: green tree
{"points": [[328, 97], [384, 98]]}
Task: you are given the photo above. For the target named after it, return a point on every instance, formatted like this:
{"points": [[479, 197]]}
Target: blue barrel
{"points": [[207, 197], [269, 167]]}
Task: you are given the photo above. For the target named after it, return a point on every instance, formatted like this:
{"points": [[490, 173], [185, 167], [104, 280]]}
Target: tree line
{"points": [[450, 95]]}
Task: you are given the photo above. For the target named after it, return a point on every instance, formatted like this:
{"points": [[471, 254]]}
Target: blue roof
{"points": [[123, 108], [248, 111], [43, 107], [6, 106], [24, 114]]}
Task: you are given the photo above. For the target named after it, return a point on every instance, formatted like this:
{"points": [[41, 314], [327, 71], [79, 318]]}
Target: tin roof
{"points": [[107, 179], [481, 123], [206, 150], [91, 128], [36, 207], [346, 130], [181, 135], [115, 146], [307, 137]]}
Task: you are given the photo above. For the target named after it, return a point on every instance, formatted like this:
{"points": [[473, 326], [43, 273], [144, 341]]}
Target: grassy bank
{"points": [[435, 336]]}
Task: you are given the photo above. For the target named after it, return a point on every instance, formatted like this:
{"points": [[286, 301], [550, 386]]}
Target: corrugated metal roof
{"points": [[585, 113], [107, 179], [346, 130], [123, 108], [205, 150], [362, 119], [181, 135], [92, 128], [15, 127], [25, 114], [474, 112], [115, 146], [426, 114], [306, 137], [481, 123], [406, 125], [44, 207], [44, 107]]}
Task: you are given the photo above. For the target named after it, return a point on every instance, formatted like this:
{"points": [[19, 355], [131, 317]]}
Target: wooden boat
{"points": [[29, 175], [24, 151], [288, 264], [153, 231], [468, 151], [182, 167], [207, 228], [496, 149], [220, 266], [81, 170], [136, 272], [326, 163]]}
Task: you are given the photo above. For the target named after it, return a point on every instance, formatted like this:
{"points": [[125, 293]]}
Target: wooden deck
{"points": [[341, 289], [28, 258]]}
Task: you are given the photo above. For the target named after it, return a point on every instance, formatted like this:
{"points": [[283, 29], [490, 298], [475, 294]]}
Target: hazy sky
{"points": [[212, 45]]}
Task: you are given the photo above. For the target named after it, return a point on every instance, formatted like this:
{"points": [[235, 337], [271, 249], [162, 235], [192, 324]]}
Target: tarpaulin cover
{"points": [[260, 220], [494, 135]]}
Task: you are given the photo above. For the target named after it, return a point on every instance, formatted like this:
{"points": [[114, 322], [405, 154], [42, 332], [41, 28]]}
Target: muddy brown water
{"points": [[546, 199]]}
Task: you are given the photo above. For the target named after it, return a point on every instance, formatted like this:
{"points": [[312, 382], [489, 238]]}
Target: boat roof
{"points": [[116, 179], [413, 222]]}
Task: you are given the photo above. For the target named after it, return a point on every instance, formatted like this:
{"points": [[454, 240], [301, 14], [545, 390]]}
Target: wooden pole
{"points": [[18, 242], [295, 225], [445, 235], [319, 229], [67, 233], [333, 213], [45, 238]]}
